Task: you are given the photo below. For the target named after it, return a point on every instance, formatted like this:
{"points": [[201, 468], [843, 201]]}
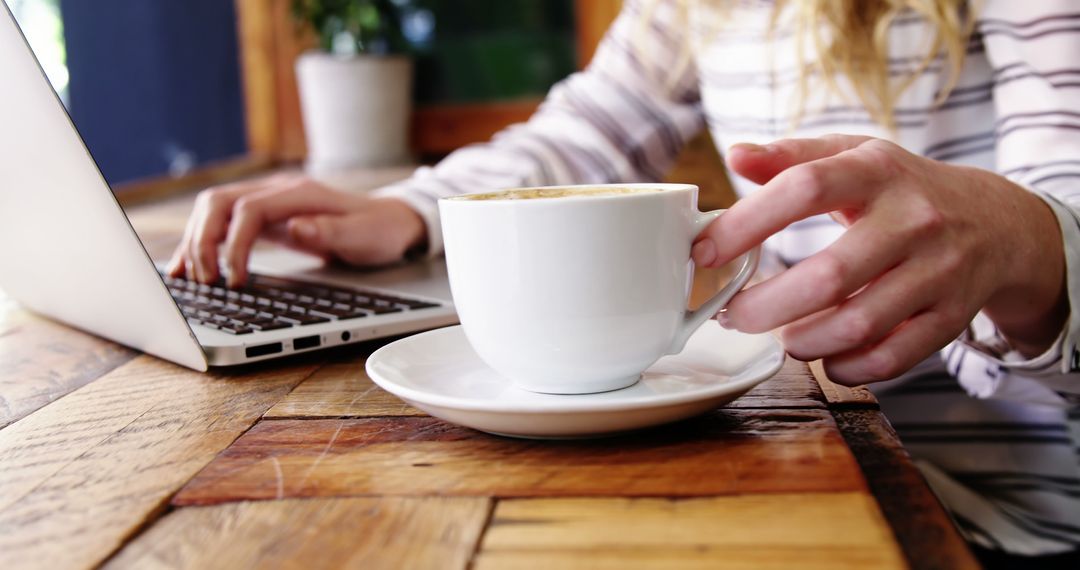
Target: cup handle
{"points": [[692, 320]]}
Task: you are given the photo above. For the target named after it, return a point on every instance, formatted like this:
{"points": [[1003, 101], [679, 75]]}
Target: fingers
{"points": [[844, 181], [761, 163], [196, 256], [178, 263], [252, 213], [864, 319], [862, 254], [921, 335]]}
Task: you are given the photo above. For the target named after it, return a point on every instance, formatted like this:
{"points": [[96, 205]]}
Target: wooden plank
{"points": [[922, 526], [337, 533], [830, 530], [83, 473], [41, 360], [765, 557], [792, 387], [727, 451], [842, 396], [292, 39], [258, 56], [340, 390]]}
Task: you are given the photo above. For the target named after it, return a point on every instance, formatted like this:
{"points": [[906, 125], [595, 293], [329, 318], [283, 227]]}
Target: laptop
{"points": [[67, 251]]}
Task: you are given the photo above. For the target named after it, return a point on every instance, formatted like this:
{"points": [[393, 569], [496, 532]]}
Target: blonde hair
{"points": [[851, 39]]}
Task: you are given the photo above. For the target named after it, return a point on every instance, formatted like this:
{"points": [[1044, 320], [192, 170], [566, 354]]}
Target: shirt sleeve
{"points": [[1033, 48], [625, 118]]}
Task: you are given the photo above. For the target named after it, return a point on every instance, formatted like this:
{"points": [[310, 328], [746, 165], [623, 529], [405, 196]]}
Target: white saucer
{"points": [[439, 373]]}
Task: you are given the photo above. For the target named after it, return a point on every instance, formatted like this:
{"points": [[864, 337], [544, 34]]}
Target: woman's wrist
{"points": [[1032, 306]]}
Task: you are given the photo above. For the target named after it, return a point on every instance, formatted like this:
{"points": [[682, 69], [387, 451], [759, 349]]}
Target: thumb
{"points": [[761, 163]]}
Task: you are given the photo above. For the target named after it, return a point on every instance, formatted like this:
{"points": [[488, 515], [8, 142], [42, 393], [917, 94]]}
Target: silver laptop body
{"points": [[67, 250]]}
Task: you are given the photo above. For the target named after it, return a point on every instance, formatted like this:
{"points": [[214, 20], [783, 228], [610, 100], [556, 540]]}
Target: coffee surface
{"points": [[535, 193]]}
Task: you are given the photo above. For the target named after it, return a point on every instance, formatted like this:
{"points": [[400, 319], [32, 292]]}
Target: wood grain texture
{"points": [[41, 361], [83, 473], [842, 396], [727, 451], [791, 387], [920, 522], [258, 60], [413, 533], [831, 530], [340, 390], [757, 557]]}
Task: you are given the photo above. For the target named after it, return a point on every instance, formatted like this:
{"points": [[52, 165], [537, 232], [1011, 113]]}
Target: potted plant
{"points": [[356, 89]]}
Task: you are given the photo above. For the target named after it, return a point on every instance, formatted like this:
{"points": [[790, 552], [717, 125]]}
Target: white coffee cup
{"points": [[579, 293]]}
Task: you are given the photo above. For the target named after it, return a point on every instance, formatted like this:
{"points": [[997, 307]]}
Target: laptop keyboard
{"points": [[267, 304]]}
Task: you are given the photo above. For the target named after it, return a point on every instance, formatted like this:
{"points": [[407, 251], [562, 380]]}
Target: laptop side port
{"points": [[306, 342], [262, 349]]}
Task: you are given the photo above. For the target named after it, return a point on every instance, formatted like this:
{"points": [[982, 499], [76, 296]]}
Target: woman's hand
{"points": [[353, 228], [928, 246]]}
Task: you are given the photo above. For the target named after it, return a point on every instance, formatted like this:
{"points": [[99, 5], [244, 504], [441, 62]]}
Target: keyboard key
{"points": [[269, 325], [233, 329], [337, 314], [268, 303], [298, 319]]}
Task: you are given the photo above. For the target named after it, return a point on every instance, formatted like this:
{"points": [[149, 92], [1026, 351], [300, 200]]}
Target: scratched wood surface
{"points": [[340, 390], [83, 473], [388, 532], [111, 458], [41, 360], [729, 451]]}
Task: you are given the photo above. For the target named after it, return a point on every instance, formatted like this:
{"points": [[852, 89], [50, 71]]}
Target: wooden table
{"points": [[109, 457]]}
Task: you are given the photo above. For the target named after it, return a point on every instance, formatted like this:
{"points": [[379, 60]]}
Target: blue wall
{"points": [[151, 79]]}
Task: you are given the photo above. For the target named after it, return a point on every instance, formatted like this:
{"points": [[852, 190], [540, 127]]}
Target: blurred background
{"points": [[175, 96]]}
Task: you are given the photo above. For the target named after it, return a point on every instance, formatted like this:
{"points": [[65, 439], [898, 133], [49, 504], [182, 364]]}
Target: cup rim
{"points": [[664, 187]]}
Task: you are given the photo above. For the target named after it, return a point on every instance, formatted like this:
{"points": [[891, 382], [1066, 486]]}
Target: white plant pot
{"points": [[356, 110]]}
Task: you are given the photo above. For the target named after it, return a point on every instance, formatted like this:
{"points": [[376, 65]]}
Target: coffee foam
{"points": [[538, 193]]}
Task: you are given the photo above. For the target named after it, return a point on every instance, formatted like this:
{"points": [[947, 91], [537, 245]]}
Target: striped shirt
{"points": [[994, 433]]}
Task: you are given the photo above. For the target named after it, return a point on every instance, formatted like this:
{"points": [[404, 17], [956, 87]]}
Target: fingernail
{"points": [[704, 252], [751, 147], [723, 319], [305, 230]]}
